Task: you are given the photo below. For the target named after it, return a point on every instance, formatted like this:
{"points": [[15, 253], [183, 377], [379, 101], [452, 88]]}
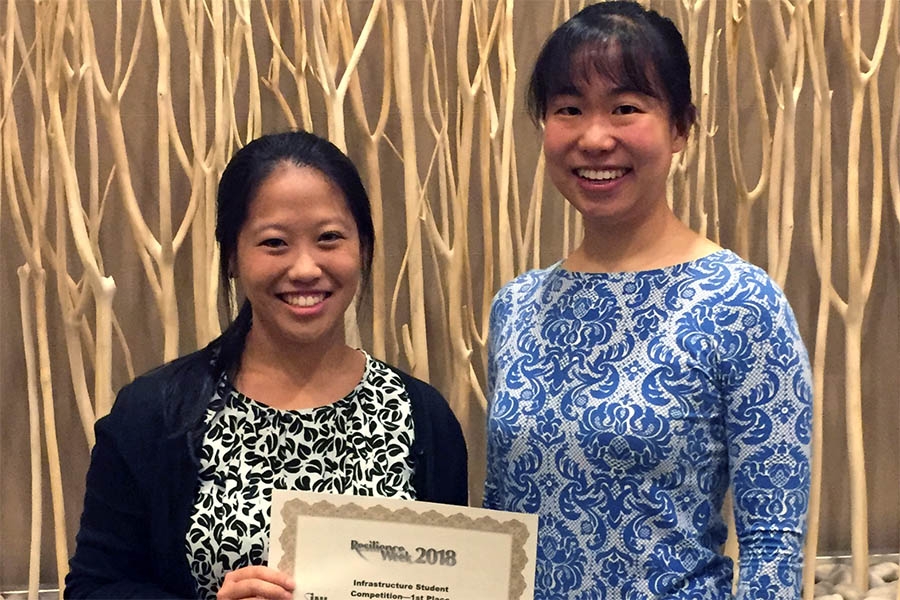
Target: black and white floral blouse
{"points": [[357, 445]]}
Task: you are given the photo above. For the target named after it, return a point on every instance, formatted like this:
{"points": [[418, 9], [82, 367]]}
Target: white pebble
{"points": [[848, 591], [824, 571], [823, 588], [886, 571], [883, 592], [841, 574], [834, 580]]}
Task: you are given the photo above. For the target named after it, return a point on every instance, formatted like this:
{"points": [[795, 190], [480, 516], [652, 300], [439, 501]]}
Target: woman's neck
{"points": [[660, 240], [297, 376]]}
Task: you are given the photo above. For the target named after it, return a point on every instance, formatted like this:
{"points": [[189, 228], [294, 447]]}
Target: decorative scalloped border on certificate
{"points": [[514, 528]]}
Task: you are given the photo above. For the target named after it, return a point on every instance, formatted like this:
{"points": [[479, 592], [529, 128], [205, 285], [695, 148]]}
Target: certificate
{"points": [[353, 547]]}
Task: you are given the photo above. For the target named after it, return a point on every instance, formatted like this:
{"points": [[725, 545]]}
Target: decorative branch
{"points": [[738, 21], [859, 271], [34, 429], [417, 347], [821, 223], [787, 81], [372, 161]]}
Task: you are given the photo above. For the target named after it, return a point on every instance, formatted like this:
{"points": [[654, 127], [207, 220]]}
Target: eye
{"points": [[567, 111], [274, 243], [331, 237], [626, 109]]}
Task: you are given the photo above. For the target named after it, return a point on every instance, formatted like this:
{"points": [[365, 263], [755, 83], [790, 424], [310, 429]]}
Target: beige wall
{"points": [[438, 160]]}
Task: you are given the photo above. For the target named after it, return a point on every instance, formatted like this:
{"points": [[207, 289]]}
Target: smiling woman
{"points": [[633, 381], [179, 487]]}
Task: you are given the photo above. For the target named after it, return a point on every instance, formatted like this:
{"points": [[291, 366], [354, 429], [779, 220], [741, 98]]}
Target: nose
{"points": [[597, 135], [304, 265]]}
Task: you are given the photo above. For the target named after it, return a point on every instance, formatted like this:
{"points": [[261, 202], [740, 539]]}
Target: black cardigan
{"points": [[143, 476]]}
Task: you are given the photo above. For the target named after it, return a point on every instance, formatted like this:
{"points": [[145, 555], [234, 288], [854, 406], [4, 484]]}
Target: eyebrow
{"points": [[265, 227], [282, 226]]}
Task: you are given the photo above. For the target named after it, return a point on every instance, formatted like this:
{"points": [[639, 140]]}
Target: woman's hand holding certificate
{"points": [[340, 547]]}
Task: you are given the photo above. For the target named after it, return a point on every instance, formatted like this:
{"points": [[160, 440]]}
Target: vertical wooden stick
{"points": [[894, 144], [373, 137], [821, 211], [859, 270], [417, 347], [738, 20], [34, 430]]}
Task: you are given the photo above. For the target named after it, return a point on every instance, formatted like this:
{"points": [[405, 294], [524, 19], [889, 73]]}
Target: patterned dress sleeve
{"points": [[498, 309], [768, 393]]}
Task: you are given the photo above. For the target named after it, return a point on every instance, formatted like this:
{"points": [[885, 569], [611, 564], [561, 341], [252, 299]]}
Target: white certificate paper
{"points": [[352, 547]]}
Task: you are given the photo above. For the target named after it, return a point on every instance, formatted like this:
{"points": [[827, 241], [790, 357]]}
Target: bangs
{"points": [[623, 55], [625, 66]]}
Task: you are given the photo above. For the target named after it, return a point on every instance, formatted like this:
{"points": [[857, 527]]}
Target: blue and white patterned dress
{"points": [[623, 404]]}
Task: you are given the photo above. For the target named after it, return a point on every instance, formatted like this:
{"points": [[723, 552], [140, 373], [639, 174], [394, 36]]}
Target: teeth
{"points": [[600, 174], [303, 299]]}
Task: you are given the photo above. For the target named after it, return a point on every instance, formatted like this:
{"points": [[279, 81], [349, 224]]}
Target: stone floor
{"points": [[833, 579]]}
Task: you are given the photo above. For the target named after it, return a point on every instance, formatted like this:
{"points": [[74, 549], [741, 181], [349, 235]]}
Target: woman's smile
{"points": [[600, 174], [304, 300]]}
